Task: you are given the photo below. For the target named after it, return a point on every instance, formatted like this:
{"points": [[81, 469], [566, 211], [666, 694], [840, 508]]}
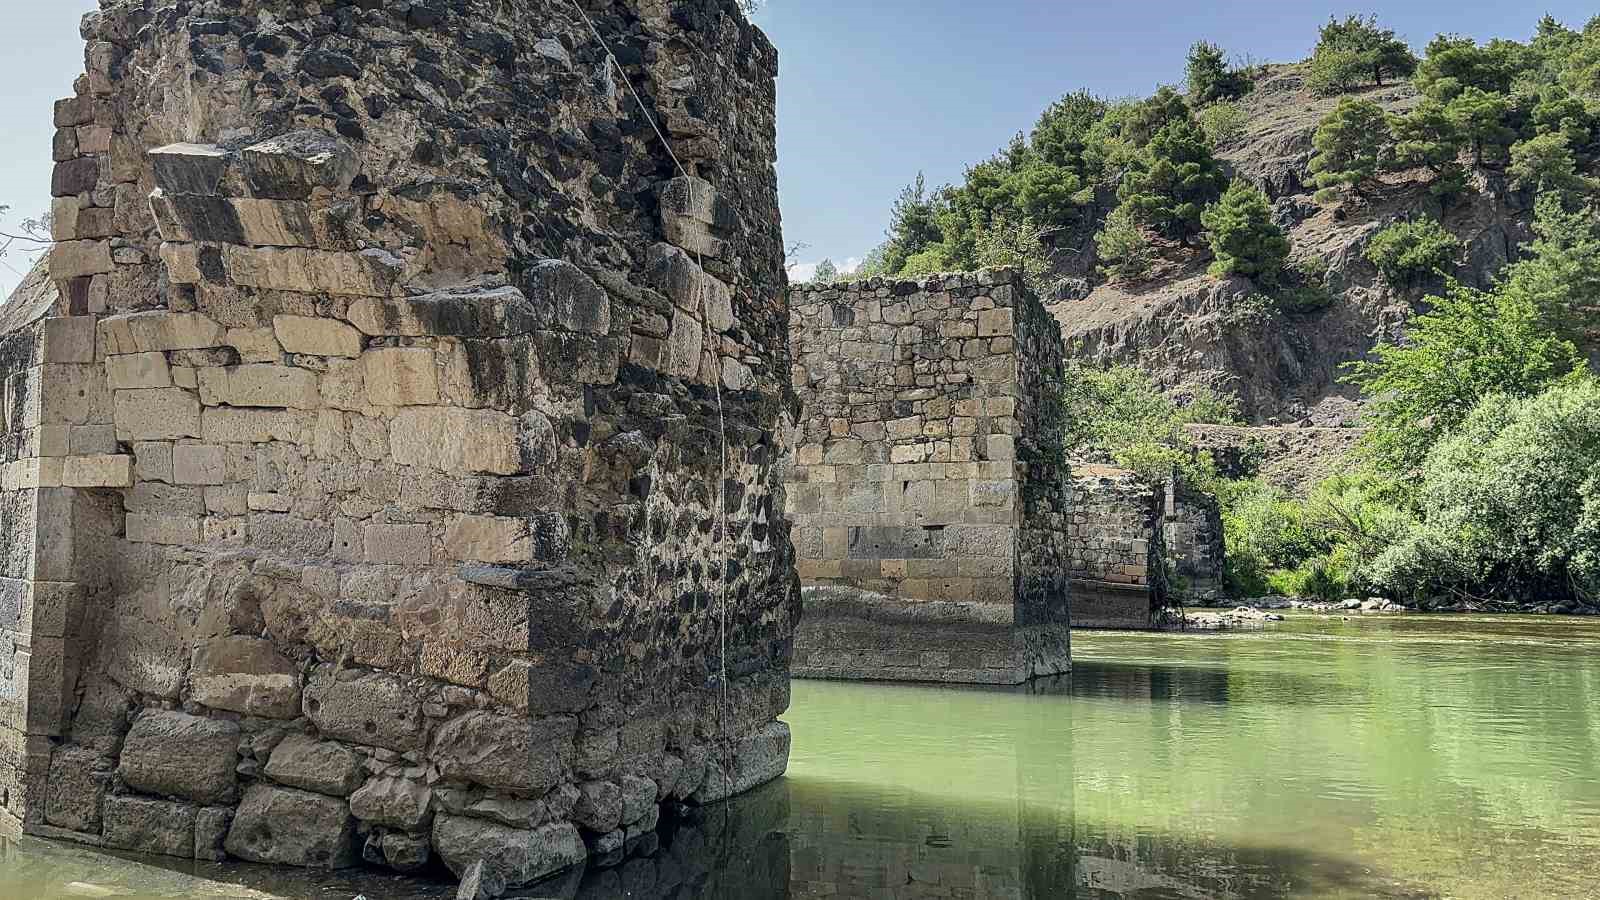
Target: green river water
{"points": [[1374, 756]]}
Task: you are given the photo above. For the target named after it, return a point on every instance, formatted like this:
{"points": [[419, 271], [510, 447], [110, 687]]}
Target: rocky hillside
{"points": [[1187, 328]]}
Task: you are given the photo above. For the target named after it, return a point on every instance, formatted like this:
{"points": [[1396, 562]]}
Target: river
{"points": [[1369, 756]]}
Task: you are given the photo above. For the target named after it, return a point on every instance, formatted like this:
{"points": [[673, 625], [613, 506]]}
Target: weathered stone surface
{"points": [[394, 803], [150, 826], [292, 828], [518, 856], [375, 709], [178, 755], [323, 767], [480, 882], [575, 302], [245, 675], [508, 752], [332, 453], [316, 336], [599, 806], [638, 798], [77, 788]]}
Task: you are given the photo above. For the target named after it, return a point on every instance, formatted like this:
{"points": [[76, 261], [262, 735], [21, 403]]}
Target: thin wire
{"points": [[716, 381]]}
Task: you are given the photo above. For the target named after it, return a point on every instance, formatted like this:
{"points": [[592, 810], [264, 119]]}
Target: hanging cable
{"points": [[713, 342]]}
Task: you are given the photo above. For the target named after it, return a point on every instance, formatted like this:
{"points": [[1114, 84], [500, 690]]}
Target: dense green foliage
{"points": [[1118, 414], [1243, 236], [1511, 505], [1209, 77], [1125, 252], [1357, 51], [1409, 252], [1349, 145], [1172, 181]]}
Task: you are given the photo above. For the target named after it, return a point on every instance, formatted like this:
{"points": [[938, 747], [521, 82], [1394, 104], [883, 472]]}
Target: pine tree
{"points": [[1355, 51], [1173, 180], [1243, 236], [1123, 249], [1480, 118], [1209, 77], [827, 271], [1349, 143]]}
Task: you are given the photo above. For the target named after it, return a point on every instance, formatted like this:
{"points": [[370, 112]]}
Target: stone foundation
{"points": [[1117, 549], [393, 458], [928, 493]]}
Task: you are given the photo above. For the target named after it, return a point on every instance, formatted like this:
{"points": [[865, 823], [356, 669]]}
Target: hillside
{"points": [[1187, 328]]}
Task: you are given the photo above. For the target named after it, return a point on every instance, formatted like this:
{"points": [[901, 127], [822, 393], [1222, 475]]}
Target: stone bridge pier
{"points": [[929, 493], [389, 464]]}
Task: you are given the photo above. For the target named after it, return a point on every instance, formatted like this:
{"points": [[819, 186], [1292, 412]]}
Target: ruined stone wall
{"points": [[1192, 532], [427, 428], [1117, 548], [914, 479]]}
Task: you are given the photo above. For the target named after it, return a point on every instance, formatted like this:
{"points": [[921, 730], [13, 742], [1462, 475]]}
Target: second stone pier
{"points": [[928, 489]]}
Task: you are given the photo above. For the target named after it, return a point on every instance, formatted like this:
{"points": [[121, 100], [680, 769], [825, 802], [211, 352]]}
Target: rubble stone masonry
{"points": [[928, 496], [396, 449]]}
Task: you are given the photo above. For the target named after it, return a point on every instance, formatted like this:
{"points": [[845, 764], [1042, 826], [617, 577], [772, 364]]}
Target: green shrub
{"points": [[1223, 122], [1243, 236], [1124, 250], [1410, 252], [1511, 503], [1119, 414]]}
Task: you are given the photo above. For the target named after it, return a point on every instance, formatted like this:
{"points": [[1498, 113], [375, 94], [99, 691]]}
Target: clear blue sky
{"points": [[871, 91]]}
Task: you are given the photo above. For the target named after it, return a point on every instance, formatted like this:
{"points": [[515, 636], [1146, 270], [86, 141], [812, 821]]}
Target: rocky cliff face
{"points": [[394, 474], [1189, 329]]}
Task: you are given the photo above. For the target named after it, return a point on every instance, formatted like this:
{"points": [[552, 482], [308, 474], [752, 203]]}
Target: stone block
{"points": [[78, 259], [152, 461], [246, 675], [315, 336], [135, 371], [568, 298], [294, 165], [222, 425], [182, 261], [364, 273], [260, 385], [457, 441], [489, 539], [261, 344], [145, 825], [400, 376], [512, 753], [283, 826], [490, 313], [67, 339], [146, 331], [100, 471], [76, 792], [684, 345], [377, 710], [161, 529], [186, 168], [322, 767], [73, 177], [160, 413], [178, 755], [401, 545], [599, 806], [274, 223], [198, 464], [518, 856], [396, 803]]}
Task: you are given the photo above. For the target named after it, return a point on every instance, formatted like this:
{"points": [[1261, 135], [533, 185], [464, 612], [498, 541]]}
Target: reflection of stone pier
{"points": [[929, 502]]}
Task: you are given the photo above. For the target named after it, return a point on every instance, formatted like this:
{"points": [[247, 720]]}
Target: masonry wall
{"points": [[1192, 532], [422, 425], [1117, 548], [923, 508]]}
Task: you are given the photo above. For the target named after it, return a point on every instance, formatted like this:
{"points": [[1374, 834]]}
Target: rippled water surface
{"points": [[1368, 757]]}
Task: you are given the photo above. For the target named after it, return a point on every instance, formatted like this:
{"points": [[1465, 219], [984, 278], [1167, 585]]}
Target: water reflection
{"points": [[1403, 758]]}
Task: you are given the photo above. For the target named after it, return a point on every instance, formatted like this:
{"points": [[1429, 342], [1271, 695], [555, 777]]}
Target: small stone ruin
{"points": [[390, 461], [928, 491]]}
